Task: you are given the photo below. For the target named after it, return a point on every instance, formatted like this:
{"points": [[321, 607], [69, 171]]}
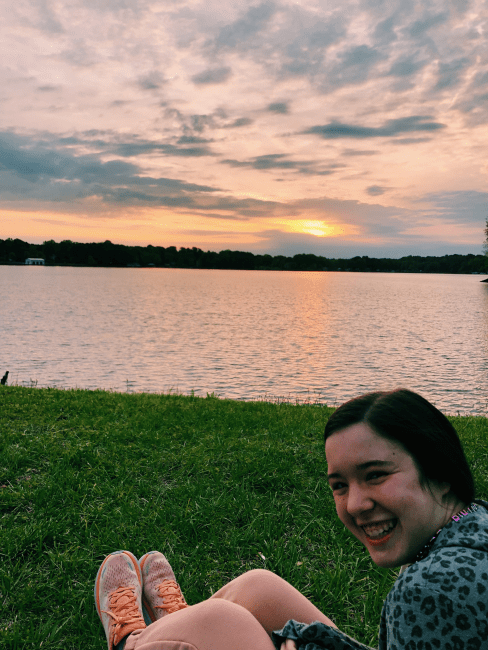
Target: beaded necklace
{"points": [[424, 551]]}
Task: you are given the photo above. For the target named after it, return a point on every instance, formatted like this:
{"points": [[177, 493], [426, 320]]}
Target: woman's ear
{"points": [[446, 488], [441, 491]]}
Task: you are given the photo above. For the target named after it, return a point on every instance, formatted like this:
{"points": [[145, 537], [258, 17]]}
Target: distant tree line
{"points": [[15, 251]]}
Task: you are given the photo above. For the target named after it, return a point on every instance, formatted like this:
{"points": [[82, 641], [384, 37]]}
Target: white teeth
{"points": [[376, 530]]}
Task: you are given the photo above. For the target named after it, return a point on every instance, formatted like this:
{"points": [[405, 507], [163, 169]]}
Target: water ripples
{"points": [[248, 334]]}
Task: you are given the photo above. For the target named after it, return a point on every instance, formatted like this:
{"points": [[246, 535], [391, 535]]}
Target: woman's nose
{"points": [[358, 501]]}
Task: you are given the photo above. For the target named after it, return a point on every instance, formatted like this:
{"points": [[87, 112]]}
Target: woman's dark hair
{"points": [[428, 436]]}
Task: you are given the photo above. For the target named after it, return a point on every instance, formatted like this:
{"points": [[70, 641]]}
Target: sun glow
{"points": [[314, 227]]}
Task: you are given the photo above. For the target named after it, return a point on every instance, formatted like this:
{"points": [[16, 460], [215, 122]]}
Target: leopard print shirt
{"points": [[440, 602]]}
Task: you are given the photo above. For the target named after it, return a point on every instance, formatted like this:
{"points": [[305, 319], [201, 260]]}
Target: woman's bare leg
{"points": [[270, 599], [211, 625]]}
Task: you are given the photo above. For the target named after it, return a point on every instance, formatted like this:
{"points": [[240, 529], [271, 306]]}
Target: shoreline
{"points": [[282, 270], [277, 400]]}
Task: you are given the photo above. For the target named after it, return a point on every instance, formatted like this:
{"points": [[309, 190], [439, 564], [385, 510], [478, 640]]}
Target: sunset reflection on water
{"points": [[248, 334]]}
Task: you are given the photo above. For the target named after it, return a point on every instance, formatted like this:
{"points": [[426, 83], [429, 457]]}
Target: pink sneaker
{"points": [[161, 593], [118, 590]]}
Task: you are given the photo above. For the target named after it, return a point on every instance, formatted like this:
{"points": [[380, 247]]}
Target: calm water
{"points": [[248, 334]]}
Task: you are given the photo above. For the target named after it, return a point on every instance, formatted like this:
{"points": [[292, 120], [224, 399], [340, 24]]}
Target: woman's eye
{"points": [[374, 475], [337, 486]]}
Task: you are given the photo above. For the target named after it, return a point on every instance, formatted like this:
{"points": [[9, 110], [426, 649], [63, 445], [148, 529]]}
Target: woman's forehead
{"points": [[359, 444]]}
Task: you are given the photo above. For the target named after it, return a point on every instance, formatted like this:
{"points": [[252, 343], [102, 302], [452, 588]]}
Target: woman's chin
{"points": [[385, 563]]}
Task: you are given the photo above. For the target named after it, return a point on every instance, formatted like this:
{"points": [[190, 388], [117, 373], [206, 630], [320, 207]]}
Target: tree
{"points": [[485, 245]]}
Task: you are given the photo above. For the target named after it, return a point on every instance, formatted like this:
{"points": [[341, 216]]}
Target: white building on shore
{"points": [[38, 261]]}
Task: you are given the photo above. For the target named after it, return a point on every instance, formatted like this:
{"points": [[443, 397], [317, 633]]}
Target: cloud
{"points": [[359, 152], [128, 197], [361, 55], [406, 67], [354, 66], [450, 73], [243, 82], [132, 146], [212, 76], [382, 231], [390, 128], [384, 32], [27, 163], [474, 101], [43, 17], [198, 123], [129, 149], [411, 140], [29, 170], [303, 42], [222, 217], [461, 207], [285, 40], [192, 139], [278, 107], [48, 88], [242, 32], [151, 81], [419, 27], [79, 54], [279, 161], [372, 219], [375, 190], [236, 124], [278, 242], [461, 6]]}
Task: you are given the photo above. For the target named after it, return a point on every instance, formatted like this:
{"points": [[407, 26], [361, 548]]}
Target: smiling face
{"points": [[378, 495]]}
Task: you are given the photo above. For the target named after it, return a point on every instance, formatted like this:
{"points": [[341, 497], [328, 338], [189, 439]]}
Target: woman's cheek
{"points": [[341, 509], [339, 503]]}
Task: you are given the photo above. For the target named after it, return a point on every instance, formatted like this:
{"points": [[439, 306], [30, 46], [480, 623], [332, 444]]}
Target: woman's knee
{"points": [[207, 616], [214, 611], [259, 573], [254, 578], [256, 590], [224, 624], [261, 581], [209, 625]]}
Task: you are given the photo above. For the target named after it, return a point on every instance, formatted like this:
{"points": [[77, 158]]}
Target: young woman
{"points": [[402, 486]]}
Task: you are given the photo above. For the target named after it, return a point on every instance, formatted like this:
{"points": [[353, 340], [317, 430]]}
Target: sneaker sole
{"points": [[99, 575]]}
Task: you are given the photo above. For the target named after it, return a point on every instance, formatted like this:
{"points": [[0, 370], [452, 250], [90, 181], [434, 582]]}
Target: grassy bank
{"points": [[214, 484]]}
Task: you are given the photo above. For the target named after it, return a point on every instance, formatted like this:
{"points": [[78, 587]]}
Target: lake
{"points": [[248, 335]]}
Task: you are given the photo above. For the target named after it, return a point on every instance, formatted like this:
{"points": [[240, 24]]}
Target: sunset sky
{"points": [[357, 127]]}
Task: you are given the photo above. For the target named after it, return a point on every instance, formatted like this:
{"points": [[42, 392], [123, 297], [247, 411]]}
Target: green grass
{"points": [[211, 483]]}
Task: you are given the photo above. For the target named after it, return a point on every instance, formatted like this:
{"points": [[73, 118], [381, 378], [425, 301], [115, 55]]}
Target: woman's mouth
{"points": [[379, 533]]}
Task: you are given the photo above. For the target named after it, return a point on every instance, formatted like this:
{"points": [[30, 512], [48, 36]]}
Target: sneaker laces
{"points": [[125, 613], [171, 593]]}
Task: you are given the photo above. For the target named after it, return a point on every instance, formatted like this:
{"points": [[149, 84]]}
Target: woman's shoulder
{"points": [[464, 541], [470, 530], [430, 601], [444, 595], [457, 565], [458, 572]]}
